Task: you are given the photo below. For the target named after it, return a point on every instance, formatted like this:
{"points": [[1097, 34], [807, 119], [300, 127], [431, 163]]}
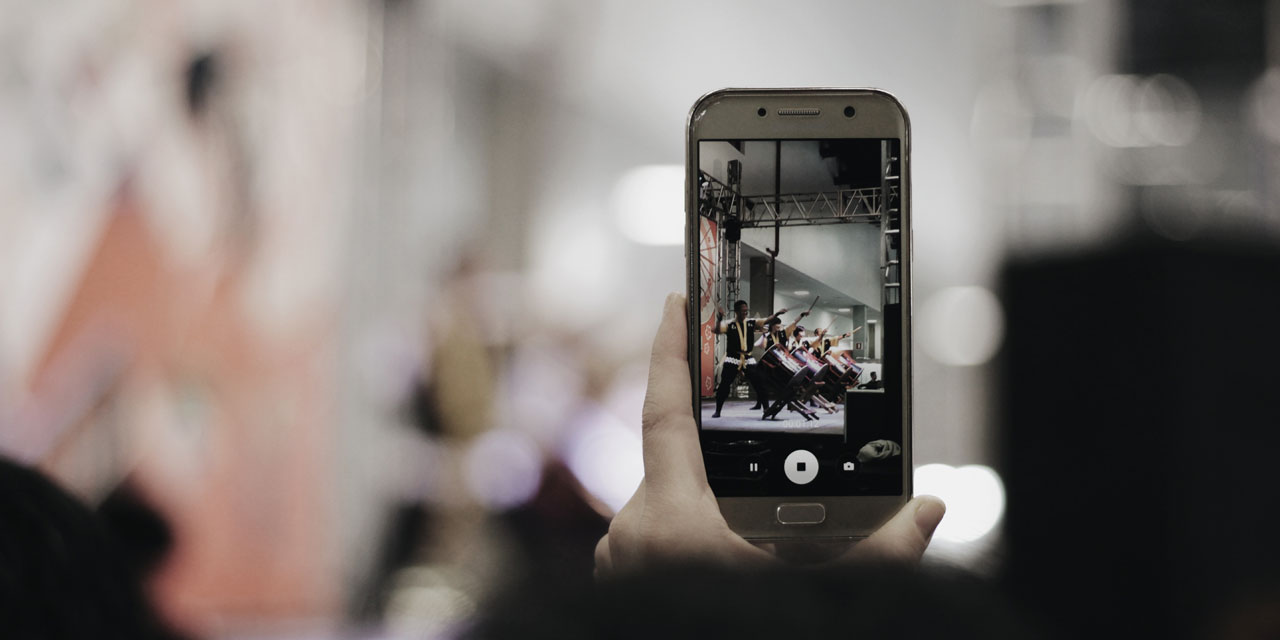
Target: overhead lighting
{"points": [[845, 309], [801, 292]]}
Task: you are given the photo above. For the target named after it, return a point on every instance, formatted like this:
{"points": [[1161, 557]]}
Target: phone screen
{"points": [[800, 379]]}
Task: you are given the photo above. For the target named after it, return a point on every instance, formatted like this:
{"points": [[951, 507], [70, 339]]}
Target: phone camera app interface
{"points": [[800, 311]]}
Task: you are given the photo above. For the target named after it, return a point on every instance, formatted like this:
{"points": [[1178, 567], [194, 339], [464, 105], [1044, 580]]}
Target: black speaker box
{"points": [[732, 230]]}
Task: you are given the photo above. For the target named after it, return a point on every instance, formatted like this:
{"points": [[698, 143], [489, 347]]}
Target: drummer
{"points": [[824, 347], [771, 334], [740, 333], [775, 333], [798, 338]]}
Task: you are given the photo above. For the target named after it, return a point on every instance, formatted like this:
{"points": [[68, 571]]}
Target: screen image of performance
{"points": [[801, 322]]}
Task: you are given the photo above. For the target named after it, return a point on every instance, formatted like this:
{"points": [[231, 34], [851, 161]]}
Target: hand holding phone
{"points": [[675, 515]]}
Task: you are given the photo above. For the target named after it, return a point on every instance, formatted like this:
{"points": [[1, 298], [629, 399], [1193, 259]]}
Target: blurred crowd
{"points": [[338, 313]]}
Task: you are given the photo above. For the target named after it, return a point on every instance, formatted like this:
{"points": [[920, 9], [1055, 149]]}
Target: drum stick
{"points": [[855, 331], [815, 301]]}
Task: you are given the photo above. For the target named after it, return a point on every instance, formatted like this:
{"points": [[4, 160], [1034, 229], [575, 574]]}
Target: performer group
{"points": [[796, 371]]}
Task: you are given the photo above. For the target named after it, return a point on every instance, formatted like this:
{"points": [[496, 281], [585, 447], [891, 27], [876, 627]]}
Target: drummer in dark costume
{"points": [[772, 328], [774, 334], [767, 339], [824, 346], [740, 333], [798, 338]]}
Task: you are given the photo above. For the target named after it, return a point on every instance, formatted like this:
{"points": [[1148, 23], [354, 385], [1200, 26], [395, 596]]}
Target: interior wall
{"points": [[758, 173], [714, 157], [844, 257]]}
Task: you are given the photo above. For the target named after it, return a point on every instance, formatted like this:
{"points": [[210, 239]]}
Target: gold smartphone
{"points": [[798, 246]]}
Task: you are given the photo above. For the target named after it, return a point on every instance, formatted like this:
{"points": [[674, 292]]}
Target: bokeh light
{"points": [[974, 496], [605, 456], [504, 467], [961, 326], [648, 204], [1132, 111]]}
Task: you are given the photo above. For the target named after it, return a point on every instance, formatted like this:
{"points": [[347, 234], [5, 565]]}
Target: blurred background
{"points": [[349, 302]]}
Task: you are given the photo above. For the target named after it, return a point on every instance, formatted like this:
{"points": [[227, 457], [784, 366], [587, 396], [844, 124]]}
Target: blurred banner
{"points": [[708, 259]]}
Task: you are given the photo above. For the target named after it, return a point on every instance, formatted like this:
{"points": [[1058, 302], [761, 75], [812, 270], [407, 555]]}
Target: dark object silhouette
{"points": [[1143, 501], [61, 574]]}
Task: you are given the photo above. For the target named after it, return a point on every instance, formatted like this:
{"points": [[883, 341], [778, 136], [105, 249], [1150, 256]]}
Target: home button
{"points": [[805, 513]]}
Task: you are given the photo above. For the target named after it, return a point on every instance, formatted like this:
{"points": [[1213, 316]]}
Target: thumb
{"points": [[905, 536], [672, 453]]}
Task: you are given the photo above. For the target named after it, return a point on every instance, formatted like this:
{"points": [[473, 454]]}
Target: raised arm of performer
{"points": [[790, 330], [769, 320], [721, 324], [847, 334], [816, 342], [740, 313]]}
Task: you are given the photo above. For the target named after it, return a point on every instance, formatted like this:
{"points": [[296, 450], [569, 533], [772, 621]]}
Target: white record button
{"points": [[801, 466]]}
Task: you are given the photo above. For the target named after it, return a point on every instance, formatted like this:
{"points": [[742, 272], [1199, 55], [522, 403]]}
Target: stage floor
{"points": [[738, 416]]}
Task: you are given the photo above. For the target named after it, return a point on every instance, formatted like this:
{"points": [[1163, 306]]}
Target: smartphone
{"points": [[798, 241]]}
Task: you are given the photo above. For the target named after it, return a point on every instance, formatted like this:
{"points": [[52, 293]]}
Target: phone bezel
{"points": [[732, 114]]}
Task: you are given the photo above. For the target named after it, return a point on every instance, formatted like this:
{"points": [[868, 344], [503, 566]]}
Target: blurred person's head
{"points": [[703, 601], [1146, 497], [740, 309], [61, 573], [141, 533]]}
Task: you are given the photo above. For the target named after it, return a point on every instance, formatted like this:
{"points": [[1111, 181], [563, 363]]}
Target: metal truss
{"points": [[793, 209]]}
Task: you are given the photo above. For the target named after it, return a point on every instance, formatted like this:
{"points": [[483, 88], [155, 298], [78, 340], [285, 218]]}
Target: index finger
{"points": [[672, 453]]}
